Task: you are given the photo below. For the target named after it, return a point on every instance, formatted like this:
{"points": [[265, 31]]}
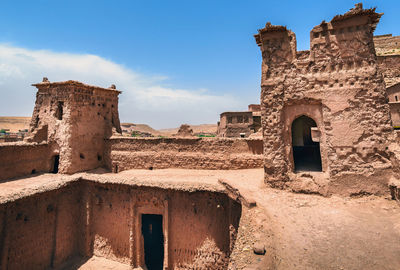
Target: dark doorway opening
{"points": [[306, 152], [56, 162], [153, 241]]}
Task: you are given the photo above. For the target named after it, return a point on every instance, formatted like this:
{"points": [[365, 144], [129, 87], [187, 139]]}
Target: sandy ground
{"points": [[300, 231], [313, 232], [95, 263]]}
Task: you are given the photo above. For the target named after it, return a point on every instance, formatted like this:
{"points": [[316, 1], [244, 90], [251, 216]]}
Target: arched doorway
{"points": [[306, 152]]}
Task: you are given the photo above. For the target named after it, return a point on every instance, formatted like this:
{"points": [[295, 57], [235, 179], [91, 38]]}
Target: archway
{"points": [[306, 152]]}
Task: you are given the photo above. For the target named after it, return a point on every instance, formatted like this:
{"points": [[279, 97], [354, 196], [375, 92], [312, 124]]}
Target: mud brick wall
{"points": [[211, 221], [19, 159], [108, 230], [390, 68], [188, 153], [338, 84], [41, 231], [387, 44]]}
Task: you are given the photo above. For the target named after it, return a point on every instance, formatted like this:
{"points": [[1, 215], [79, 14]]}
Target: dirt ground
{"points": [[314, 232]]}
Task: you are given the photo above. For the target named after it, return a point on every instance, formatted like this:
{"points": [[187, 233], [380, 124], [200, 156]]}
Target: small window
{"points": [[240, 119], [230, 120], [59, 112], [395, 97], [246, 119]]}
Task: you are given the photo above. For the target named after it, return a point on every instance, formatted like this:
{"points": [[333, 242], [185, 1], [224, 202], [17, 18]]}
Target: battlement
{"points": [[347, 40]]}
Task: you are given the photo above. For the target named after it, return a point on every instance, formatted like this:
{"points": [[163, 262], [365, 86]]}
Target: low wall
{"points": [[84, 218], [19, 159], [187, 153]]}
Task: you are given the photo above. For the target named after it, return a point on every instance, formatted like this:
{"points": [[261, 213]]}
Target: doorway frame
{"points": [[313, 110], [139, 240], [293, 150]]}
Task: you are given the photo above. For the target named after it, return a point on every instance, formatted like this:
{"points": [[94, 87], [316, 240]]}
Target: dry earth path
{"points": [[314, 232]]}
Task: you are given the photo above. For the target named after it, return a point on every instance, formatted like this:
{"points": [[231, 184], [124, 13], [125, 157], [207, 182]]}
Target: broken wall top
{"points": [[346, 36]]}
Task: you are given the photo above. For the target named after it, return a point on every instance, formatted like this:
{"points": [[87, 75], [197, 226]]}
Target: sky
{"points": [[175, 61]]}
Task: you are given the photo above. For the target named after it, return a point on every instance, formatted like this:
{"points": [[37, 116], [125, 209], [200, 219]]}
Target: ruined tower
{"points": [[325, 110], [74, 119]]}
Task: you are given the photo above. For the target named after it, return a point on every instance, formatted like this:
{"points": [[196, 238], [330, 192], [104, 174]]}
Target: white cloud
{"points": [[144, 98]]}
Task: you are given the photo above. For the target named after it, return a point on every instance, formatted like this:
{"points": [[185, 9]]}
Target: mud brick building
{"points": [[240, 124], [74, 119], [325, 109]]}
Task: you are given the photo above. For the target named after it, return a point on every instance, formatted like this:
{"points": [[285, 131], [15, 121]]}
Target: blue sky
{"points": [[187, 61]]}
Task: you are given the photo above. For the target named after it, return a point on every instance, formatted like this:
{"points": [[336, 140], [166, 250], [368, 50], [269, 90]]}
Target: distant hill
{"points": [[14, 123], [130, 127], [206, 128]]}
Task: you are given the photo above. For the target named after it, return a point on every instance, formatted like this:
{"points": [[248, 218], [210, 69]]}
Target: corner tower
{"points": [[74, 119]]}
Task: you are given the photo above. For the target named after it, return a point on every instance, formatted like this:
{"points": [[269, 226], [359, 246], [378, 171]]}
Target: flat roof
{"points": [[175, 179], [76, 83]]}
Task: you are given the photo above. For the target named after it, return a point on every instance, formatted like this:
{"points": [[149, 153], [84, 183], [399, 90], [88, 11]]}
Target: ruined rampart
{"points": [[187, 153]]}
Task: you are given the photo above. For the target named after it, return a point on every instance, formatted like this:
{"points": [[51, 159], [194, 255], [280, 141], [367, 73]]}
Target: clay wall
{"points": [[50, 229], [188, 153], [387, 44], [41, 231], [19, 159], [390, 68], [338, 85]]}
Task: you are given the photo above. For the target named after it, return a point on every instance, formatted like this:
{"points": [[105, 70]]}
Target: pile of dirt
{"points": [[184, 131]]}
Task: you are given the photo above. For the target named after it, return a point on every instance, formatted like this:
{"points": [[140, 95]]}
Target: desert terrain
{"points": [[16, 123]]}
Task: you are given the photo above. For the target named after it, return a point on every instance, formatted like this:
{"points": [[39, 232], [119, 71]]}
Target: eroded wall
{"points": [[19, 159], [87, 218], [188, 153]]}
